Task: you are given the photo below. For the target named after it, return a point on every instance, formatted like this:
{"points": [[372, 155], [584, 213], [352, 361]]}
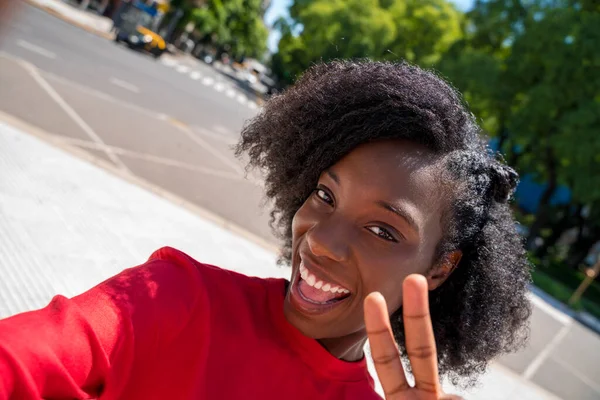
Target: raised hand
{"points": [[420, 344]]}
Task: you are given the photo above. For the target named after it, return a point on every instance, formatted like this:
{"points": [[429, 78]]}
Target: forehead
{"points": [[393, 169]]}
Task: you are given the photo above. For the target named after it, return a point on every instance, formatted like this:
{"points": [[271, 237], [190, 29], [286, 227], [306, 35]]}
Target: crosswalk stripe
{"points": [[195, 75], [208, 81], [168, 62]]}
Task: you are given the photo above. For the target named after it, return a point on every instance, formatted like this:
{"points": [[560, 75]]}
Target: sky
{"points": [[279, 8]]}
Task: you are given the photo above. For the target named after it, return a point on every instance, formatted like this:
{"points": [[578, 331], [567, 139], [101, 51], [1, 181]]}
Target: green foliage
{"points": [[234, 24], [552, 78], [563, 292], [529, 71], [321, 30]]}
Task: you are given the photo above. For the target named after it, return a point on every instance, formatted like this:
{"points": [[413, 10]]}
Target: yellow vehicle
{"points": [[133, 30]]}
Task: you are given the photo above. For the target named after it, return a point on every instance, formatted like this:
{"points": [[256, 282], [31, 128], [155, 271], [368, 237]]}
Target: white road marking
{"points": [[548, 309], [152, 158], [182, 69], [72, 113], [104, 96], [169, 62], [218, 133], [208, 81], [219, 87], [577, 373], [230, 93], [191, 132], [36, 49], [124, 85], [207, 146], [242, 98], [195, 75], [222, 129], [545, 353], [252, 105]]}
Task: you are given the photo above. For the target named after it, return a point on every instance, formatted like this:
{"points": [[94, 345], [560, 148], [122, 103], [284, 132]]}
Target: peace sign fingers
{"points": [[420, 343], [383, 347]]}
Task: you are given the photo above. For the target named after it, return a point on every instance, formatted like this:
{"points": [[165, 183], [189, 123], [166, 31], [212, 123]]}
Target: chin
{"points": [[316, 319]]}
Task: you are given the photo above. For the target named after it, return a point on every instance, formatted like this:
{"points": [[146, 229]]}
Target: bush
{"points": [[563, 292]]}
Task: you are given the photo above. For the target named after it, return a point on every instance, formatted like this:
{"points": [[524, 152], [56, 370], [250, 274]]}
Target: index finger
{"points": [[420, 341], [386, 356]]}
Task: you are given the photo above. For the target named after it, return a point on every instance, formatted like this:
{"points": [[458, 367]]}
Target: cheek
{"points": [[385, 273]]}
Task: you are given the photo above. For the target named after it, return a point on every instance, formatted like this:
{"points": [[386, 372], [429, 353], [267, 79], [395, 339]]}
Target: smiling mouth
{"points": [[319, 292]]}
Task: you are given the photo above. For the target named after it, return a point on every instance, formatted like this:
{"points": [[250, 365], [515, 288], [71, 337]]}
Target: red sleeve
{"points": [[75, 348]]}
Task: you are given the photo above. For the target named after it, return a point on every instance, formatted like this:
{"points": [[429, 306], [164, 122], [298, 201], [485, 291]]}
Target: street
{"points": [[169, 125], [171, 122]]}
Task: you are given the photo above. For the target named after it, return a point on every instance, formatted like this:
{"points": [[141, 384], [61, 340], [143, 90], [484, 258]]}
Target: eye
{"points": [[323, 196], [382, 233]]}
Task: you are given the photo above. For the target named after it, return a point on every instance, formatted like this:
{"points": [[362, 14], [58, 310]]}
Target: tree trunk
{"points": [[543, 211], [502, 136], [580, 250], [558, 228]]}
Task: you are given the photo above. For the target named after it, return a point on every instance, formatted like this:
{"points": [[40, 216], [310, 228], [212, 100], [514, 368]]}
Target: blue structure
{"points": [[529, 192]]}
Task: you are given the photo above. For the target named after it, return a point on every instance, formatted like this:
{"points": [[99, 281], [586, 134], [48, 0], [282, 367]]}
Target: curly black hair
{"points": [[481, 310]]}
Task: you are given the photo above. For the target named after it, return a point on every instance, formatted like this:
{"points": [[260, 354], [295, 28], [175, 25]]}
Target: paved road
{"points": [[170, 121]]}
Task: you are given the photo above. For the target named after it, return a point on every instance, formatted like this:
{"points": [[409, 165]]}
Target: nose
{"points": [[330, 238]]}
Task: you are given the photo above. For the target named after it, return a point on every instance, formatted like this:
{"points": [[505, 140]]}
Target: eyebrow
{"points": [[333, 176], [400, 212], [396, 210]]}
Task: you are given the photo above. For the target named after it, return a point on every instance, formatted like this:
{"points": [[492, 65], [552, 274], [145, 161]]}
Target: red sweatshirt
{"points": [[171, 329]]}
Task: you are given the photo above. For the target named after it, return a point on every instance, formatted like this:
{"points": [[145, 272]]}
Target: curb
{"points": [[56, 14], [208, 215]]}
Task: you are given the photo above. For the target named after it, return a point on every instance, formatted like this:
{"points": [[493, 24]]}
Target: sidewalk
{"points": [[66, 224], [88, 21]]}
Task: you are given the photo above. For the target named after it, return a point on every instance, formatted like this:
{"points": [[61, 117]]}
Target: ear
{"points": [[439, 273]]}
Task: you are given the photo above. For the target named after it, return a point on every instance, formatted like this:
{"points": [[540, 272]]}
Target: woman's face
{"points": [[373, 218]]}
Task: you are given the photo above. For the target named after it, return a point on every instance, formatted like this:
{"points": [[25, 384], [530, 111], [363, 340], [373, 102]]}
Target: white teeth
{"points": [[311, 280], [304, 274]]}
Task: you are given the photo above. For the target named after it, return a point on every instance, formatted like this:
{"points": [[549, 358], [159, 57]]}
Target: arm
{"points": [[80, 347]]}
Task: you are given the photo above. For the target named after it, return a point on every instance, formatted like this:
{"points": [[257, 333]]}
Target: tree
{"points": [[321, 30], [233, 24], [530, 70], [425, 29], [552, 78]]}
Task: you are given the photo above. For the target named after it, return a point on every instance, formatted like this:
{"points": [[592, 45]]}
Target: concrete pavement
{"points": [[66, 224], [93, 23]]}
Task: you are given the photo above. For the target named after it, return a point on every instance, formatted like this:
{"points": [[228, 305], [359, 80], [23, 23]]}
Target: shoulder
{"points": [[231, 300], [210, 277]]}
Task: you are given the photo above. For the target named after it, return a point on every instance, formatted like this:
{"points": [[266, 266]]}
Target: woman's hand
{"points": [[420, 344]]}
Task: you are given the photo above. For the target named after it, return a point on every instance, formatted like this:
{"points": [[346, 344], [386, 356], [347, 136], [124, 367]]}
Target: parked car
{"points": [[134, 31]]}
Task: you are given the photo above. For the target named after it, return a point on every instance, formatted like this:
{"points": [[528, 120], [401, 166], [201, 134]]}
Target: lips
{"points": [[312, 293], [319, 290]]}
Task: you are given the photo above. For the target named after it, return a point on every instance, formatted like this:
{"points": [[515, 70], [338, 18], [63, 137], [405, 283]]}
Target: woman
{"points": [[394, 218]]}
